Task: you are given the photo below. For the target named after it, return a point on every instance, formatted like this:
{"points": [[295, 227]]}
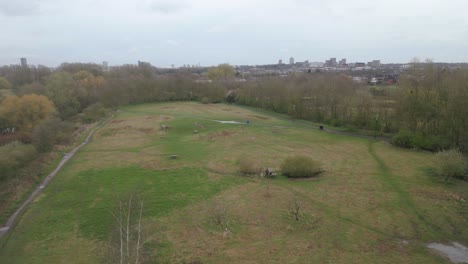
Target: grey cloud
{"points": [[167, 7], [19, 7]]}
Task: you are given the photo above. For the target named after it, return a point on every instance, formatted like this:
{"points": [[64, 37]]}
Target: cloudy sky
{"points": [[210, 32]]}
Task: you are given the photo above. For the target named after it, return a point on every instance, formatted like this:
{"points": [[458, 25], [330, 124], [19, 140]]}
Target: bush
{"points": [[50, 132], [407, 139], [404, 139], [300, 167], [14, 156], [93, 113], [451, 164], [205, 100], [430, 143], [248, 167]]}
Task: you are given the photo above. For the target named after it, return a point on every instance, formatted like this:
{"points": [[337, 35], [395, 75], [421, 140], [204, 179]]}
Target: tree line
{"points": [[428, 109]]}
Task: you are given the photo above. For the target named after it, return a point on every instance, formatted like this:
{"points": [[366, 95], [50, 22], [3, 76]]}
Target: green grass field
{"points": [[374, 203]]}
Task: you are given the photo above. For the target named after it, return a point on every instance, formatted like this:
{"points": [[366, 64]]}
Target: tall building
{"points": [[331, 62], [342, 62], [105, 66], [280, 62], [374, 64], [291, 60], [24, 62]]}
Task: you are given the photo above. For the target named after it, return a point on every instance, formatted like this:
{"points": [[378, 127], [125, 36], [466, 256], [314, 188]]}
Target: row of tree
{"points": [[430, 102]]}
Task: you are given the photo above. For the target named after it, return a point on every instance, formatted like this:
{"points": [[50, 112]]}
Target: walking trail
{"points": [[12, 219]]}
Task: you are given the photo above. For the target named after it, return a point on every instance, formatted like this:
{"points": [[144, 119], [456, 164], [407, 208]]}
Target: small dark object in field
{"points": [[321, 127], [173, 156]]}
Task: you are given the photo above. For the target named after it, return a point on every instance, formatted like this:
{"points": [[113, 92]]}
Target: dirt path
{"points": [[457, 253], [12, 219]]}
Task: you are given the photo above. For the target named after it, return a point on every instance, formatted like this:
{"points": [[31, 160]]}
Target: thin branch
{"points": [[128, 225], [121, 239], [139, 233]]}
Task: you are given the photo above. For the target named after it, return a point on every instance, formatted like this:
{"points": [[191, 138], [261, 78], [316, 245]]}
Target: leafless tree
{"points": [[127, 244]]}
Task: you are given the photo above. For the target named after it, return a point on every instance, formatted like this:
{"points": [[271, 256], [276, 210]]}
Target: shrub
{"points": [[93, 113], [451, 164], [404, 139], [205, 100], [248, 167], [407, 139], [300, 167], [50, 132], [430, 143], [14, 156]]}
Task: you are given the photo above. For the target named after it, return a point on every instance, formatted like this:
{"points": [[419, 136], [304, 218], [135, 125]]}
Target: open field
{"points": [[374, 203]]}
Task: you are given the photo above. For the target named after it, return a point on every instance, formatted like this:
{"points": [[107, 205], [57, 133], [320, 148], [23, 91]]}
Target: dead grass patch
{"points": [[219, 134], [251, 226], [116, 121], [259, 117]]}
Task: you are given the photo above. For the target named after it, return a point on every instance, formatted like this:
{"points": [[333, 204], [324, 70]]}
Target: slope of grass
{"points": [[373, 204]]}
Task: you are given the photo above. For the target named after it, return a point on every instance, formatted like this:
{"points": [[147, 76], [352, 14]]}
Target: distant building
{"points": [[105, 66], [374, 64], [24, 62], [145, 64], [280, 62], [360, 64], [291, 60], [342, 62], [331, 62]]}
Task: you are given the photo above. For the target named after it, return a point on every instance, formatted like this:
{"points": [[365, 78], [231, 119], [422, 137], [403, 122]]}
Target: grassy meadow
{"points": [[373, 204]]}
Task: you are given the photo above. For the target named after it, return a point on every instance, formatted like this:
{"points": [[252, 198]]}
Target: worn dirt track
{"points": [[12, 219]]}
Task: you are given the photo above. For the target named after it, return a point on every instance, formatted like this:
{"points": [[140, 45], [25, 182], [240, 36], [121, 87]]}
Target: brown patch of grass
{"points": [[259, 117], [265, 225], [116, 121], [219, 134]]}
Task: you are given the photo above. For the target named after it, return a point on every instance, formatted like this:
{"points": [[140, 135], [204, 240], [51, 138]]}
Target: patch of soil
{"points": [[116, 121], [146, 130]]}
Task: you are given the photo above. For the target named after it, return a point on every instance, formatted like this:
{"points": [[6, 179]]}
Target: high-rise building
{"points": [[24, 62], [374, 64], [331, 62], [342, 62], [291, 60], [105, 66], [280, 62]]}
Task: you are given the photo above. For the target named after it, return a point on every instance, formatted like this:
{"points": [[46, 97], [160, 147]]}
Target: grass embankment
{"points": [[373, 204]]}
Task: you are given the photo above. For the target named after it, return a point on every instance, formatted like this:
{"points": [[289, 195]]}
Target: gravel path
{"points": [[11, 220], [457, 253]]}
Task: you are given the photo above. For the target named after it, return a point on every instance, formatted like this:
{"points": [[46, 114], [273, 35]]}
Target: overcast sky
{"points": [[210, 32]]}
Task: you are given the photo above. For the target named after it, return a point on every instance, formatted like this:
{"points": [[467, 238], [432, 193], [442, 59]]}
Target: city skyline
{"points": [[162, 32]]}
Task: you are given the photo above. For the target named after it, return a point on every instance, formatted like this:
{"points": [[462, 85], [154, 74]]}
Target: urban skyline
{"points": [[242, 32]]}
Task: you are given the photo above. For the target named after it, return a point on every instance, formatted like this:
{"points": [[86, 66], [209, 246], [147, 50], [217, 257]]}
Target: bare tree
{"points": [[128, 240]]}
